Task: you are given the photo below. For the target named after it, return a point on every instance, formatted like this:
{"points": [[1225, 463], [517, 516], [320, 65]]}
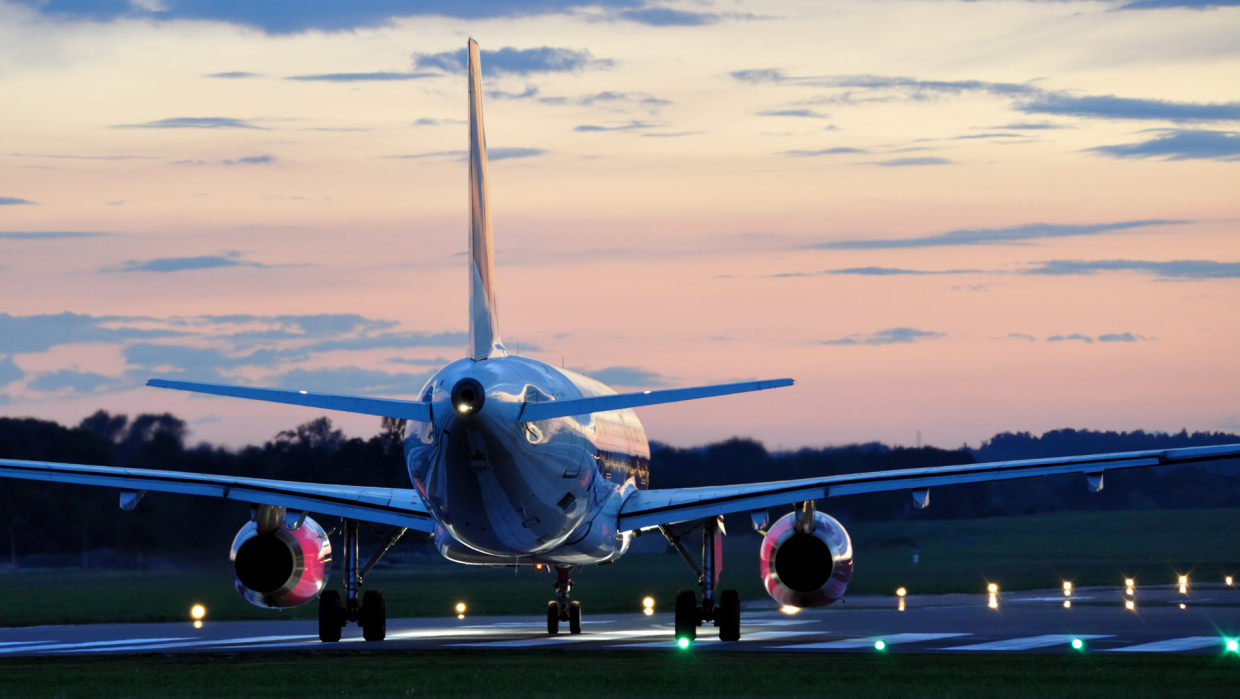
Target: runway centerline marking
{"points": [[559, 640], [91, 645], [1173, 645], [759, 636], [1031, 642], [869, 641]]}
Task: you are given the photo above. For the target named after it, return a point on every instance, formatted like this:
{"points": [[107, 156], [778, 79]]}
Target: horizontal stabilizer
{"points": [[598, 404], [383, 407]]}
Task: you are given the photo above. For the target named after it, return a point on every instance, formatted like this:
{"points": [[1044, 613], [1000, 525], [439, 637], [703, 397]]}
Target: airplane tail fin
{"points": [[484, 339]]}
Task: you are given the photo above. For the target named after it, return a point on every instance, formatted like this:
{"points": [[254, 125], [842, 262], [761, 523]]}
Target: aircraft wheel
{"points": [[374, 615], [329, 616], [686, 615], [574, 617], [553, 618], [729, 616]]}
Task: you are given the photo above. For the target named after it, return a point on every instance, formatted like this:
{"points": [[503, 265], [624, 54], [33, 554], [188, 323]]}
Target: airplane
{"points": [[516, 462]]}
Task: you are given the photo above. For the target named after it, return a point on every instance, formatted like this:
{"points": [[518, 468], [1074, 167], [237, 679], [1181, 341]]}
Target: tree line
{"points": [[66, 519]]}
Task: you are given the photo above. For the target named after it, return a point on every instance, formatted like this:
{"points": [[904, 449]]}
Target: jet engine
{"points": [[806, 561], [280, 561]]}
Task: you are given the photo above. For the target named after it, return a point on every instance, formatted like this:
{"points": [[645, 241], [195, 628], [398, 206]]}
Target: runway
{"points": [[1161, 621]]}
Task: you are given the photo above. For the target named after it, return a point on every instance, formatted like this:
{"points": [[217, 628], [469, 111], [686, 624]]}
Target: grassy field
{"points": [[600, 674], [1030, 552]]}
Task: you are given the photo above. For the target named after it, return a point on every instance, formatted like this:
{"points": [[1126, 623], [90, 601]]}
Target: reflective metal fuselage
{"points": [[504, 491]]}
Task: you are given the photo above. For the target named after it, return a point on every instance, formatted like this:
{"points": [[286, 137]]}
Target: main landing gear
{"points": [[561, 609], [725, 613], [371, 612]]}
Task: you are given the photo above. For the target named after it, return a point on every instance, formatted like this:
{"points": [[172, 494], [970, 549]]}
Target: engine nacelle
{"points": [[285, 568], [806, 569]]}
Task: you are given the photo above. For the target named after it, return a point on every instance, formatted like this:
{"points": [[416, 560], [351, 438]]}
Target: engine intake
{"points": [[284, 568], [806, 569]]}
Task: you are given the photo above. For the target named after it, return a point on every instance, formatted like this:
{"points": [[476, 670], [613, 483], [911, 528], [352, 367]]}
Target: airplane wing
{"points": [[531, 412], [402, 508], [383, 407], [648, 508]]}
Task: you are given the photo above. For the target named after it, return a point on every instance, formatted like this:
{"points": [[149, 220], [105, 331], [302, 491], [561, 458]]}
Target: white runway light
{"points": [[198, 612]]}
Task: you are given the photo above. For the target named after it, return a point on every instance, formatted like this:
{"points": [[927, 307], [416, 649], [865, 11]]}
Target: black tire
{"points": [[686, 615], [729, 616], [329, 616], [553, 618], [574, 617], [374, 615]]}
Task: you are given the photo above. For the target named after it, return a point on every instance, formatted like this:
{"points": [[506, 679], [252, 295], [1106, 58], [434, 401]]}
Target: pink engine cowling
{"points": [[806, 569], [286, 568]]}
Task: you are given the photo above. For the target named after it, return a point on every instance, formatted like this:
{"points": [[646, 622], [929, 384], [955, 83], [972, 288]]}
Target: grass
{"points": [[1031, 552], [601, 674]]}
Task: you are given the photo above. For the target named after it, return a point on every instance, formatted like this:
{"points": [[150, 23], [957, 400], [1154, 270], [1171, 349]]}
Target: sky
{"points": [[939, 217]]}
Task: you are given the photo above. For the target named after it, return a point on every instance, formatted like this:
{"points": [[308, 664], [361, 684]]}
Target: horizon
{"points": [[939, 218]]}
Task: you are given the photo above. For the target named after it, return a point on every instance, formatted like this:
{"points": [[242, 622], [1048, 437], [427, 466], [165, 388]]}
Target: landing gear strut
{"points": [[724, 612], [561, 609], [370, 612]]}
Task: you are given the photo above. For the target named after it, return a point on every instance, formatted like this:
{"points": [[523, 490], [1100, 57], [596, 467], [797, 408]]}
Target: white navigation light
{"points": [[462, 408], [198, 612]]}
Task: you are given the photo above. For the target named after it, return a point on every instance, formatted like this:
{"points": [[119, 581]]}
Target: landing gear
{"points": [[726, 614], [370, 612], [561, 609]]}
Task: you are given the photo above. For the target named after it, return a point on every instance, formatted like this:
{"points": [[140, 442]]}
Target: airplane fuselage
{"points": [[503, 491]]}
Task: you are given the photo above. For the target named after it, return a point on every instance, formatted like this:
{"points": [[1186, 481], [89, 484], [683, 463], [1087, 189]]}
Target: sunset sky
{"points": [[957, 218]]}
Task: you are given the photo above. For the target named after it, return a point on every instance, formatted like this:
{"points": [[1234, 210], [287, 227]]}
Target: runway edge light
{"points": [[1233, 646], [880, 644], [198, 612], [1078, 644], [682, 642]]}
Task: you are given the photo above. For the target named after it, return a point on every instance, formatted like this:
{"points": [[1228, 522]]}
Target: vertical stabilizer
{"points": [[484, 340]]}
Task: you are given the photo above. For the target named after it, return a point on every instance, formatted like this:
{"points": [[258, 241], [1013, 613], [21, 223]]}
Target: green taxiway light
{"points": [[1233, 645], [682, 642], [880, 645], [1077, 644]]}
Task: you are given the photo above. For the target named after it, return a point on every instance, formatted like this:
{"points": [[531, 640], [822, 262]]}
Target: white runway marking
{"points": [[92, 645], [1029, 643], [759, 636], [869, 641], [563, 639], [26, 643], [1174, 645], [186, 643], [779, 622]]}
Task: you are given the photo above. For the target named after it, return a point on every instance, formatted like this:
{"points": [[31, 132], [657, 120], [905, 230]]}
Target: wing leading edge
{"points": [[597, 404], [382, 407], [648, 508], [403, 508]]}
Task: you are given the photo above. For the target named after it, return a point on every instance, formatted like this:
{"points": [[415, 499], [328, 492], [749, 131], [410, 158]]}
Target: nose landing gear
{"points": [[724, 613], [561, 608]]}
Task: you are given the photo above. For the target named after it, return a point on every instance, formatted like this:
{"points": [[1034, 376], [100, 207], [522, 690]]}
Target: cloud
{"points": [[629, 376], [1022, 336], [48, 235], [392, 340], [353, 381], [1073, 337], [38, 333], [58, 156], [1182, 144], [997, 236], [825, 151], [894, 271], [432, 154], [631, 126], [1112, 107], [295, 16], [1173, 269], [1025, 97], [1122, 337], [10, 372], [891, 336], [1186, 4], [181, 264], [252, 160], [234, 75], [362, 77], [803, 113], [512, 153], [513, 61], [1029, 126], [193, 123], [664, 17], [425, 121], [14, 201], [912, 162], [75, 381], [436, 362]]}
